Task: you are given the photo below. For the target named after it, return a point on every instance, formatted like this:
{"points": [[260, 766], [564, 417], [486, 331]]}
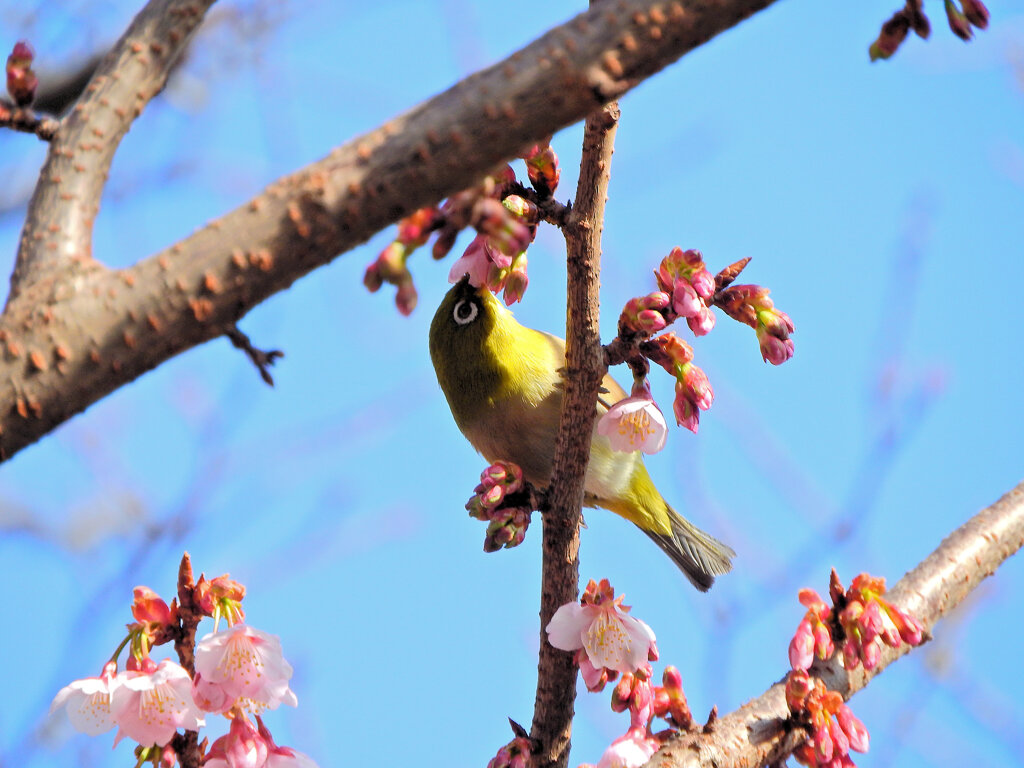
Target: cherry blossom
{"points": [[88, 702], [603, 628], [248, 665], [150, 706]]}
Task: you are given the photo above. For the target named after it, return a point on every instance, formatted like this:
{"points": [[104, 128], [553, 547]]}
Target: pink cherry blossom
{"points": [[241, 747], [88, 702], [632, 750], [475, 261], [150, 706], [603, 628], [247, 665], [283, 757], [635, 423]]}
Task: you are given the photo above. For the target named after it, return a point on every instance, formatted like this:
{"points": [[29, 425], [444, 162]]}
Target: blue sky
{"points": [[880, 203]]}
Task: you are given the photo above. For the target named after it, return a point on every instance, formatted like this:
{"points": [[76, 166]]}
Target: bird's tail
{"points": [[700, 556]]}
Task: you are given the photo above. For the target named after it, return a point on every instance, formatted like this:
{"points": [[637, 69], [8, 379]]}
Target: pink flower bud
{"points": [[701, 323], [801, 647], [775, 351], [671, 679], [21, 80], [697, 386], [522, 208], [149, 607], [406, 297], [854, 729], [958, 22], [415, 229], [703, 283], [542, 169], [798, 686], [822, 744], [976, 13], [840, 741], [893, 33], [685, 411], [685, 301], [870, 654], [516, 281], [372, 278]]}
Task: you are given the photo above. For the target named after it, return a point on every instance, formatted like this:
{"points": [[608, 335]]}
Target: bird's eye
{"points": [[465, 312]]}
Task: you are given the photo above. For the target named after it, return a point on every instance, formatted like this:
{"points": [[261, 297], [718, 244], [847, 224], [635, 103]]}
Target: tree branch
{"points": [[83, 331], [58, 227], [584, 362], [754, 735]]}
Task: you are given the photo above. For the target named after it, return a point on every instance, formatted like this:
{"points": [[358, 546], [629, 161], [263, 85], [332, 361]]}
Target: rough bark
{"points": [[74, 331], [584, 363]]}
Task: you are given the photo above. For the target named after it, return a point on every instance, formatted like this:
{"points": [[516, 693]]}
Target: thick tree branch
{"points": [[584, 362], [58, 227], [754, 734], [82, 332]]}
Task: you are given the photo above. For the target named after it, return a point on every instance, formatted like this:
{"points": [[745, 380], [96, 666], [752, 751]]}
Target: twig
{"points": [[261, 359], [584, 360], [186, 745], [27, 121]]}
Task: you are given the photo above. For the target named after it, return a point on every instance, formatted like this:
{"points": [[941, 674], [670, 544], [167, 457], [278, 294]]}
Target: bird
{"points": [[504, 386]]}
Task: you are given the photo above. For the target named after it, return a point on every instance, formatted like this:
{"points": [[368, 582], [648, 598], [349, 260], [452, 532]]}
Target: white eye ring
{"points": [[465, 312]]}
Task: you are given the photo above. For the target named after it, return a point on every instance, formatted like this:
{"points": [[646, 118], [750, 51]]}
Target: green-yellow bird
{"points": [[503, 383]]}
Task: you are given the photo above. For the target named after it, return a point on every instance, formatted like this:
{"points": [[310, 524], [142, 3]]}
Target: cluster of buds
{"points": [[688, 290], [503, 501], [497, 255], [236, 671], [834, 729], [961, 14], [542, 169], [860, 620], [21, 80], [515, 754], [505, 222], [645, 316], [750, 304], [894, 31], [693, 389], [814, 634], [868, 619], [969, 13], [391, 265], [684, 277]]}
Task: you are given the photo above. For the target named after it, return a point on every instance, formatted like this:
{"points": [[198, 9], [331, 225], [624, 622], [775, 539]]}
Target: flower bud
{"points": [[976, 13], [958, 22]]}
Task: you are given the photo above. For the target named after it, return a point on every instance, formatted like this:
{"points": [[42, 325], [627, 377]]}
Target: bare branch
{"points": [[260, 358], [755, 734]]}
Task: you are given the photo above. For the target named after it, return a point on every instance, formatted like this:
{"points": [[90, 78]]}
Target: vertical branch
{"points": [[585, 368]]}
